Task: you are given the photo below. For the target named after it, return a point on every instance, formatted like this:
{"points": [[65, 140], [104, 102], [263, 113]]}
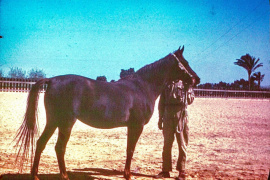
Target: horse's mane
{"points": [[152, 69]]}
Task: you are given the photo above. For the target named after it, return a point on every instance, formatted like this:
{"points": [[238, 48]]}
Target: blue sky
{"points": [[96, 38]]}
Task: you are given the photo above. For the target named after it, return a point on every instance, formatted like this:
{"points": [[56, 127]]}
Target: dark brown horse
{"points": [[127, 102]]}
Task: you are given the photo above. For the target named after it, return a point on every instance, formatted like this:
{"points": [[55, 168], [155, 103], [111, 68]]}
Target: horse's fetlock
{"points": [[127, 175]]}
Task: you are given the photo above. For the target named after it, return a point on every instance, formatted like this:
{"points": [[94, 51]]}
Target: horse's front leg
{"points": [[134, 133]]}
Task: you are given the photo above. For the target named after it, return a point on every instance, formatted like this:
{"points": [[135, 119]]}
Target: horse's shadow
{"points": [[81, 174]]}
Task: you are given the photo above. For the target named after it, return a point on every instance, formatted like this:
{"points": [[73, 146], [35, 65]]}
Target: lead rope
{"points": [[182, 115]]}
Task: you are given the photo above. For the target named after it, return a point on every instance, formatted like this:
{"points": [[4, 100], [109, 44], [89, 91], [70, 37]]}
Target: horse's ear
{"points": [[182, 50]]}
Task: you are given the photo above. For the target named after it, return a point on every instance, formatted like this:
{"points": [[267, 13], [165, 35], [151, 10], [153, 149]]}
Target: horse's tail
{"points": [[25, 137]]}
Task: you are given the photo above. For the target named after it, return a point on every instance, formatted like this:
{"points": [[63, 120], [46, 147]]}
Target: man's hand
{"points": [[160, 124], [190, 96]]}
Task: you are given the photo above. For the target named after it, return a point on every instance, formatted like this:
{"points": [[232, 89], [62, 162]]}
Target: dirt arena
{"points": [[229, 139]]}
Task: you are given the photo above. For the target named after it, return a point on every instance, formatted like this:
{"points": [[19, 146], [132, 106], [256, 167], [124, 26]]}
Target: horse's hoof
{"points": [[64, 177], [35, 178]]}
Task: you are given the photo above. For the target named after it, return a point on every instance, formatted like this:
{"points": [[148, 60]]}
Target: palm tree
{"points": [[258, 77], [250, 64]]}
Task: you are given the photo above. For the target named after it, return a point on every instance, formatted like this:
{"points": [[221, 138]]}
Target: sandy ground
{"points": [[229, 139]]}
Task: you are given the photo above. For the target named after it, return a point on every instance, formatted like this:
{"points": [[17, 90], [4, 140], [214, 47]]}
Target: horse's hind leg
{"points": [[41, 143], [60, 148]]}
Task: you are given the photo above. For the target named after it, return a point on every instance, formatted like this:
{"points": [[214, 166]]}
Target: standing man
{"points": [[174, 122]]}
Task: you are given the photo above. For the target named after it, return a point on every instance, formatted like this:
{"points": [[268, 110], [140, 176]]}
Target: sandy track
{"points": [[229, 139]]}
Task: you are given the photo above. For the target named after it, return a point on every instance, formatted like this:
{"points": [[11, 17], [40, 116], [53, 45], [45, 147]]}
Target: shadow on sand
{"points": [[77, 174]]}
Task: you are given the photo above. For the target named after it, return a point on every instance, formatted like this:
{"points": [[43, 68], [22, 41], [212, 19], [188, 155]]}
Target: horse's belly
{"points": [[103, 124], [103, 121], [105, 112]]}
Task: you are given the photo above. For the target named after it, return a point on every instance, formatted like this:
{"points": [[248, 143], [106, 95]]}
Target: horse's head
{"points": [[184, 71]]}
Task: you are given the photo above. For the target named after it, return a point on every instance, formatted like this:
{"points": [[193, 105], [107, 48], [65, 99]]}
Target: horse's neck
{"points": [[157, 85], [156, 75]]}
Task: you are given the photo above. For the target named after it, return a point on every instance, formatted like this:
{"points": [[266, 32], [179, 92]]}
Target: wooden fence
{"points": [[19, 85], [231, 93]]}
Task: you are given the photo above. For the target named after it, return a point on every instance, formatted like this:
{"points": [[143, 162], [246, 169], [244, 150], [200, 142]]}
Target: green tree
{"points": [[16, 73], [240, 84], [125, 73], [36, 74], [101, 78], [250, 64], [259, 78], [1, 73]]}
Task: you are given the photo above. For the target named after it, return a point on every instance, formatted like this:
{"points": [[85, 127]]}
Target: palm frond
{"points": [[257, 66], [248, 62]]}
